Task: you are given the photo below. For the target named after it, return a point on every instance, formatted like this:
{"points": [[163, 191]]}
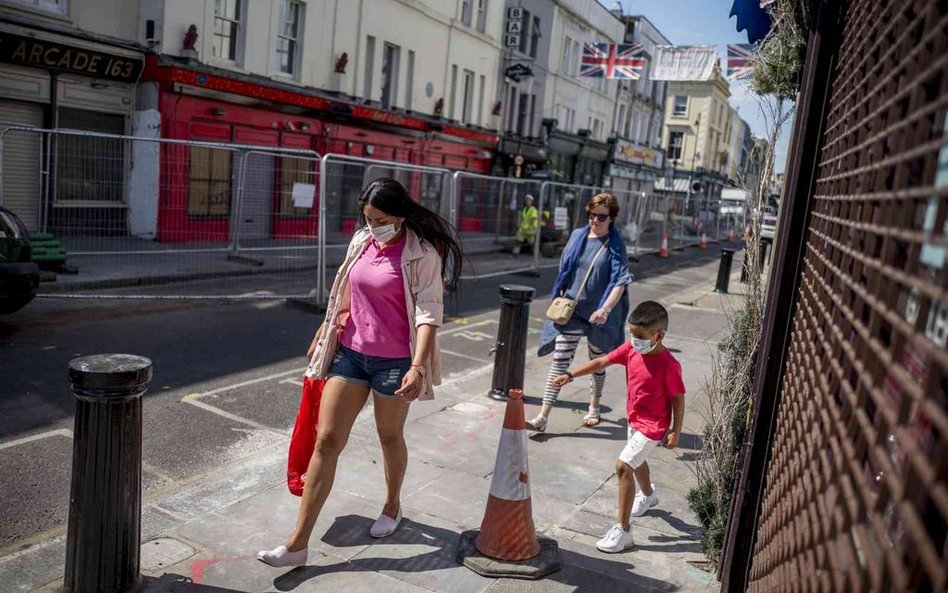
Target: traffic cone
{"points": [[663, 252], [507, 531], [704, 240]]}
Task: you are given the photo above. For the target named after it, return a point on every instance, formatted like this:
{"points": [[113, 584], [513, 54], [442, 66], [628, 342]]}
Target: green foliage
{"points": [[780, 56], [723, 439]]}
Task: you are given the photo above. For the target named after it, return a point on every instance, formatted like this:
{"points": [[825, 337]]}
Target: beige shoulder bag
{"points": [[561, 309]]}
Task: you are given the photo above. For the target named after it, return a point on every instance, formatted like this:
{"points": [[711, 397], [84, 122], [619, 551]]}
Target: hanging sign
{"points": [[514, 26], [684, 63]]}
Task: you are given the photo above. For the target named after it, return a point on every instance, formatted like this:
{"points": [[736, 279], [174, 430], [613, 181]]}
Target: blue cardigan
{"points": [[610, 335]]}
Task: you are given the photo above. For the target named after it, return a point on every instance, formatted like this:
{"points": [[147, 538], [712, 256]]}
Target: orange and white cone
{"points": [[663, 252], [507, 531], [704, 240]]}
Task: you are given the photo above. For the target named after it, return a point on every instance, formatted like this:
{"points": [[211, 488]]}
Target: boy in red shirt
{"points": [[655, 402]]}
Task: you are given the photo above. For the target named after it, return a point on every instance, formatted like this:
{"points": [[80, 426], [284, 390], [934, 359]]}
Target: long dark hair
{"points": [[391, 197]]}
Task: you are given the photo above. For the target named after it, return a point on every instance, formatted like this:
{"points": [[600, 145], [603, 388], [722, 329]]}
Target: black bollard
{"points": [[510, 350], [103, 540], [724, 270]]}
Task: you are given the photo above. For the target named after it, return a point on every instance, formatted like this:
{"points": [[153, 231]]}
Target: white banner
{"points": [[684, 63]]}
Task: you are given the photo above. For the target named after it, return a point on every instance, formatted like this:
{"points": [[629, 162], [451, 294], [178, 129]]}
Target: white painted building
{"points": [[558, 121], [406, 54]]}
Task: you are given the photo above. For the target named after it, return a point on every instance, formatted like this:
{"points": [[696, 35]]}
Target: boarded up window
{"points": [[209, 182]]}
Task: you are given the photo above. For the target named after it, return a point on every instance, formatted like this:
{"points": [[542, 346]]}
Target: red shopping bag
{"points": [[303, 440]]}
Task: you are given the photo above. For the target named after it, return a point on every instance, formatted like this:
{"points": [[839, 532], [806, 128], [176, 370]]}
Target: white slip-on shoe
{"points": [[538, 424], [616, 540], [385, 526], [280, 557], [643, 503]]}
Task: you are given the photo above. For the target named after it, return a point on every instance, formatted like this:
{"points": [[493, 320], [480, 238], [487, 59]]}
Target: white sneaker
{"points": [[615, 540], [280, 557], [643, 503], [385, 526]]}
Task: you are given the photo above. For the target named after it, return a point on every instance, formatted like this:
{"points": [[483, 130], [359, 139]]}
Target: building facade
{"points": [[386, 79], [637, 158], [699, 125], [69, 65], [556, 121]]}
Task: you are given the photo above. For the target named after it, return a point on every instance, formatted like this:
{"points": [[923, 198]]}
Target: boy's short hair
{"points": [[649, 314]]}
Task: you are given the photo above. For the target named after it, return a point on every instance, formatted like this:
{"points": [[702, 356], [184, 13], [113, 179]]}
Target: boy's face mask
{"points": [[644, 345]]}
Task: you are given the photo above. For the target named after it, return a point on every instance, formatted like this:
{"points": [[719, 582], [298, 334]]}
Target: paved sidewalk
{"points": [[202, 538]]}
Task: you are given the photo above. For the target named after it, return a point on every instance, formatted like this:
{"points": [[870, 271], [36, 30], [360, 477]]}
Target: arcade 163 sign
{"points": [[514, 27], [65, 58]]}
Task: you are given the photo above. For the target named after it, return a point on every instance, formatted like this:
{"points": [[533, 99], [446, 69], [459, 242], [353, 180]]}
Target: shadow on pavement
{"points": [[176, 583], [588, 574]]}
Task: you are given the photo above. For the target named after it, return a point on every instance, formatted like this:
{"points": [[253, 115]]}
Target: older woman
{"points": [[601, 307]]}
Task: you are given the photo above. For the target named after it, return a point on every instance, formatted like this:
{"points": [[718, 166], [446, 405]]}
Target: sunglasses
{"points": [[599, 217]]}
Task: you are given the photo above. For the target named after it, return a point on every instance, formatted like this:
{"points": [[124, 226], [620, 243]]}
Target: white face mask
{"points": [[383, 233], [642, 346]]}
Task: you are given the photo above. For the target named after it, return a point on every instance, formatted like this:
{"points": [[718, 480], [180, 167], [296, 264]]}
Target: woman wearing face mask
{"points": [[379, 337], [601, 307]]}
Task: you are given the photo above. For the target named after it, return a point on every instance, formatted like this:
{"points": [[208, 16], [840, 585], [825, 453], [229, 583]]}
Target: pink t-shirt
{"points": [[653, 380], [378, 320]]}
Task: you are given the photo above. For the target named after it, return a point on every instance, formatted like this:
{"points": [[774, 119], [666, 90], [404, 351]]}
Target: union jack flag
{"points": [[740, 61], [608, 60]]}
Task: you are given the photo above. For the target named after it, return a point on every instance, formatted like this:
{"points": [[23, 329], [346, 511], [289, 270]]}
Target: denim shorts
{"points": [[383, 375]]}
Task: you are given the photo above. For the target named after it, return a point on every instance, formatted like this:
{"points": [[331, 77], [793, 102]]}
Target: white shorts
{"points": [[637, 449]]}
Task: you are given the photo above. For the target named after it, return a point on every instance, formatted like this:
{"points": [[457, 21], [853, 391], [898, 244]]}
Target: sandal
{"points": [[538, 424], [591, 418]]}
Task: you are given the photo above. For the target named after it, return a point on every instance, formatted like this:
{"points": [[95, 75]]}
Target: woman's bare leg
{"points": [[340, 405], [390, 415]]}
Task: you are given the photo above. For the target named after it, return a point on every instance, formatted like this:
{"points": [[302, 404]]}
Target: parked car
{"points": [[19, 276]]}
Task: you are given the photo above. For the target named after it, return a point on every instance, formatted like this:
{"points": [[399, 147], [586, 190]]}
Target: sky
{"points": [[706, 22]]}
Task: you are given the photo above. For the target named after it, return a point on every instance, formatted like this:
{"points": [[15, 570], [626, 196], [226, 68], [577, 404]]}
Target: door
{"points": [[259, 191], [20, 162]]}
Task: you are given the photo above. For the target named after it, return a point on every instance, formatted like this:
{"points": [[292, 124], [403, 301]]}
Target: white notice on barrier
{"points": [[303, 194], [561, 218]]}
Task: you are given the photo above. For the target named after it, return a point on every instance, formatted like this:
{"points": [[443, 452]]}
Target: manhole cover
{"points": [[159, 554]]}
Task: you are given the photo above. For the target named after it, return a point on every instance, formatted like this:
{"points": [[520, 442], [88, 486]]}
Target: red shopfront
{"points": [[198, 182]]}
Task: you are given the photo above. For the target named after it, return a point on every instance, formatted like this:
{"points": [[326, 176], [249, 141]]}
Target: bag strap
{"points": [[592, 265]]}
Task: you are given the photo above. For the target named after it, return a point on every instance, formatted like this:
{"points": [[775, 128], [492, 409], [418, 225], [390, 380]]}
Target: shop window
{"points": [[209, 182], [91, 169], [227, 26], [57, 6], [288, 36], [292, 171]]}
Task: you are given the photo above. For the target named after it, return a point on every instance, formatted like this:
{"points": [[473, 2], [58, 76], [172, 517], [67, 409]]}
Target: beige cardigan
{"points": [[424, 302]]}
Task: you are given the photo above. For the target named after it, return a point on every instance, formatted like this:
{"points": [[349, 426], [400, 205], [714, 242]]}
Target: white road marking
{"points": [[298, 371], [62, 432], [462, 328], [197, 403], [465, 356], [292, 381], [475, 336]]}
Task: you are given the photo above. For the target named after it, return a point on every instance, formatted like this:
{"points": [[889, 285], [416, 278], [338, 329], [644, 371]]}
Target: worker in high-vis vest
{"points": [[529, 223]]}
